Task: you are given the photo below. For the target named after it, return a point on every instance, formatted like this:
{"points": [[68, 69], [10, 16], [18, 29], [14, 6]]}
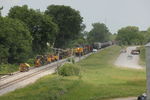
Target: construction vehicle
{"points": [[56, 57], [49, 59], [40, 60], [24, 67], [37, 63], [78, 51]]}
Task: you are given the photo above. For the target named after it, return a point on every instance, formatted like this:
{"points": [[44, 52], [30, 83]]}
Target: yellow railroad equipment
{"points": [[53, 58], [79, 51], [24, 67], [56, 58], [49, 60], [37, 63]]}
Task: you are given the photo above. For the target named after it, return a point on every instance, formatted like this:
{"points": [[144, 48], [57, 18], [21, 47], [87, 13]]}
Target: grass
{"points": [[8, 68], [99, 80], [142, 56]]}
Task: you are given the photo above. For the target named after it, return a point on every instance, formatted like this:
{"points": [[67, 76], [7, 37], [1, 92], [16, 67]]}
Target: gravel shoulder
{"points": [[128, 60]]}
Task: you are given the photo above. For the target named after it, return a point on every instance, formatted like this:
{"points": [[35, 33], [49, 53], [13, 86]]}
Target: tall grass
{"points": [[99, 80], [8, 68], [142, 56]]}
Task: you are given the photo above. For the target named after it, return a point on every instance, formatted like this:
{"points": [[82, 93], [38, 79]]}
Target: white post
{"points": [[148, 69]]}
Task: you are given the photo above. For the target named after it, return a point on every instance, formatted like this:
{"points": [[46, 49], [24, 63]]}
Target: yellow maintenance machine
{"points": [[49, 59], [56, 57], [40, 60], [78, 51], [24, 67], [37, 62]]}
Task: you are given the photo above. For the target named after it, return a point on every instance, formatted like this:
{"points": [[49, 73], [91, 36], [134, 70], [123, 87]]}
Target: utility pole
{"points": [[58, 59], [72, 56], [148, 69]]}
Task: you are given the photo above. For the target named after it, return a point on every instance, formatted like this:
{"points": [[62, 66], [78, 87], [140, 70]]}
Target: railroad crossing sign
{"points": [[148, 69]]}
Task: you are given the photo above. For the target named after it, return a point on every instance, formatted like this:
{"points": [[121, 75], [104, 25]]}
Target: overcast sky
{"points": [[114, 13]]}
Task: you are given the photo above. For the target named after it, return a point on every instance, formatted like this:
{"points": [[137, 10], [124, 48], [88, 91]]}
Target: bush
{"points": [[71, 60], [69, 70], [31, 61], [8, 68]]}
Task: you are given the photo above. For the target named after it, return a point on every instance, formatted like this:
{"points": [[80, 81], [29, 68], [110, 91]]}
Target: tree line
{"points": [[26, 32], [131, 35]]}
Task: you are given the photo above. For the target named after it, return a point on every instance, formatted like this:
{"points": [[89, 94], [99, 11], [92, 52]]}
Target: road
{"points": [[128, 60]]}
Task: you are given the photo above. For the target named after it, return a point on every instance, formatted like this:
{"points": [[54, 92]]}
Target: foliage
{"points": [[146, 35], [1, 8], [69, 69], [15, 41], [31, 61], [100, 80], [69, 22], [8, 68], [130, 36], [72, 60], [99, 33], [113, 37], [42, 28], [142, 55]]}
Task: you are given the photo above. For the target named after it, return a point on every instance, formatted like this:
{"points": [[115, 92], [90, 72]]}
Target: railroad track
{"points": [[22, 78], [49, 67], [10, 83]]}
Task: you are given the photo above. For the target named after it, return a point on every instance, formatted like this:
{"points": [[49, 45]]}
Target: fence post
{"points": [[148, 69]]}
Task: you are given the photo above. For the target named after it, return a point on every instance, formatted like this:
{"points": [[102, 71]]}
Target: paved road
{"points": [[128, 60]]}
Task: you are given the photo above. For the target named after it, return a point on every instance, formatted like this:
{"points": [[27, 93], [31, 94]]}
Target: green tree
{"points": [[130, 36], [99, 33], [1, 8], [113, 36], [15, 41], [69, 22], [41, 26], [146, 35]]}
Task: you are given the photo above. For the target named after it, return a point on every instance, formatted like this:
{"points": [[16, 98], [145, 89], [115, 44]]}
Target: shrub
{"points": [[71, 60], [69, 69], [8, 68], [31, 61]]}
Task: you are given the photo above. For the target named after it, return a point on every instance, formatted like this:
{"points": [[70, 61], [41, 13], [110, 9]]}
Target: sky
{"points": [[114, 13]]}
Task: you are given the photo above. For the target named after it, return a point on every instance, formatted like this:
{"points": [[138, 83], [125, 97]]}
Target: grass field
{"points": [[99, 80], [142, 56]]}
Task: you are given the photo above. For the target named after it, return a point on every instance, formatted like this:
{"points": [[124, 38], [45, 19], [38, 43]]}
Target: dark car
{"points": [[135, 52], [142, 97]]}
